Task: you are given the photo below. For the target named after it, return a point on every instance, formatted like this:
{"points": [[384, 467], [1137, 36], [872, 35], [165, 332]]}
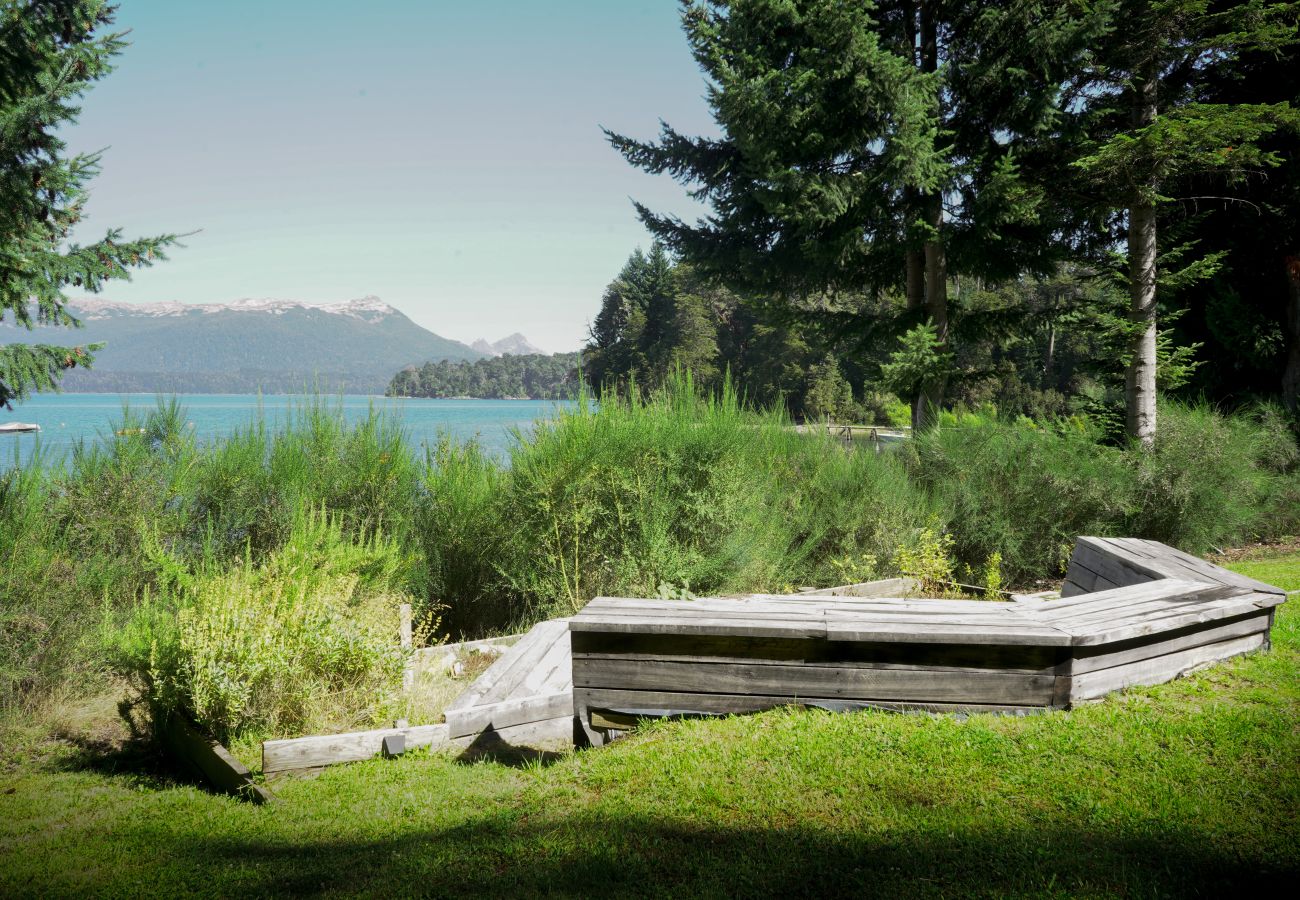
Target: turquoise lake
{"points": [[66, 419]]}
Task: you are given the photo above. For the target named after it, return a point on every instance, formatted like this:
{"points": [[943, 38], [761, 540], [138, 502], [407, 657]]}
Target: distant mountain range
{"points": [[276, 346], [515, 344]]}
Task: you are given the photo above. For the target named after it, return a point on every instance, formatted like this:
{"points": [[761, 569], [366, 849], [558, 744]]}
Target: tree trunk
{"points": [[1049, 358], [1291, 374], [1140, 380], [915, 279], [930, 399]]}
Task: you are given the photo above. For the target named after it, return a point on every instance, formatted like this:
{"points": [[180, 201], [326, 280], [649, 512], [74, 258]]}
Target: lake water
{"points": [[66, 419]]}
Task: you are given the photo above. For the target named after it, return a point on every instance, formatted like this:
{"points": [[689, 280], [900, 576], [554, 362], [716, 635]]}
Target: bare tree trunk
{"points": [[936, 261], [1140, 380], [1291, 374], [1049, 358], [915, 279]]}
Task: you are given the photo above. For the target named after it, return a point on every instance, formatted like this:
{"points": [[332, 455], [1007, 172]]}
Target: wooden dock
{"points": [[1133, 612]]}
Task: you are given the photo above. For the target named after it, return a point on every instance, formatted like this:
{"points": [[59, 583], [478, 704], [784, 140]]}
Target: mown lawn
{"points": [[1191, 788]]}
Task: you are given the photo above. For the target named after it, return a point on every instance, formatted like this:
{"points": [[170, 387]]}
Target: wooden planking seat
{"points": [[1100, 563], [1159, 613]]}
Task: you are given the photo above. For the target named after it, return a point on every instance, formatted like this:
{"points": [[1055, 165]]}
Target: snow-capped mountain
{"points": [[250, 344], [515, 344]]}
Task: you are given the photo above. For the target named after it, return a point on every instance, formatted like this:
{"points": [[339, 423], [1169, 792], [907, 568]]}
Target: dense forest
{"points": [[1050, 206], [533, 376]]}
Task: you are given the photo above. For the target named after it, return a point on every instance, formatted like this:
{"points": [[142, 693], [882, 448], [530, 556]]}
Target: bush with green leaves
{"points": [[305, 640]]}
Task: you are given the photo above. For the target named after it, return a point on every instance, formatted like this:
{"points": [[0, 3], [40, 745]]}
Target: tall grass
{"points": [[670, 494], [682, 491]]}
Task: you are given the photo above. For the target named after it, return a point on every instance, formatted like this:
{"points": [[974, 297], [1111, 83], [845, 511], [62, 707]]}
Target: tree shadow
{"points": [[488, 746], [506, 855]]}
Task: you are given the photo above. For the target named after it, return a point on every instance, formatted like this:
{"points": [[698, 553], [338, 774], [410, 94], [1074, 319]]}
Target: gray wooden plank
{"points": [[513, 682], [546, 734], [1071, 588], [1159, 669], [207, 758], [794, 628], [508, 713], [1051, 610], [500, 669], [1152, 606], [329, 749], [1049, 669], [1161, 611], [557, 660], [1028, 634], [910, 604], [1104, 656], [935, 686], [653, 703], [761, 650], [1119, 570], [1218, 573], [1127, 631]]}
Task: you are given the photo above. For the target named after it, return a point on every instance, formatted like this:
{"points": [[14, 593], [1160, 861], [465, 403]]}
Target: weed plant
{"points": [[303, 641]]}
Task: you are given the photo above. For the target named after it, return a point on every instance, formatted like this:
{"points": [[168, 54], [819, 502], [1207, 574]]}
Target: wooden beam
{"points": [[208, 759], [329, 749]]}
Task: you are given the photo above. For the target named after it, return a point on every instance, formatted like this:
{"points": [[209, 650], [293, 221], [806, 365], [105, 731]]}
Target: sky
{"points": [[446, 157]]}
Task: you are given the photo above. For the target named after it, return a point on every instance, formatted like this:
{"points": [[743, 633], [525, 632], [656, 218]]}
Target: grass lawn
{"points": [[1188, 788]]}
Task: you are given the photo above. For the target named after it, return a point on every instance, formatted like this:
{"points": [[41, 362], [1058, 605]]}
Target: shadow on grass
{"points": [[508, 855], [488, 746]]}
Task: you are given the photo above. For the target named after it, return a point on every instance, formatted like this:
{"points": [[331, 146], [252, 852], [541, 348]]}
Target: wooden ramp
{"points": [[1161, 614], [525, 697]]}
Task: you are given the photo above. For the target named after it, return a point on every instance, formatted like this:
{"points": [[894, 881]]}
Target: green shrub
{"points": [[1023, 492], [307, 640], [1203, 483]]}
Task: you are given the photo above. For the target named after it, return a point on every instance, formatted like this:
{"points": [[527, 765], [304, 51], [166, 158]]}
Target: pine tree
{"points": [[51, 51], [871, 146], [1152, 126]]}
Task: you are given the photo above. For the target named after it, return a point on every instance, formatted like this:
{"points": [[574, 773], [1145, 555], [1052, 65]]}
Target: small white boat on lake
{"points": [[17, 428]]}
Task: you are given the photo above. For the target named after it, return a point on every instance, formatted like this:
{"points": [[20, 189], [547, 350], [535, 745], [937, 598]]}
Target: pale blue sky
{"points": [[444, 156]]}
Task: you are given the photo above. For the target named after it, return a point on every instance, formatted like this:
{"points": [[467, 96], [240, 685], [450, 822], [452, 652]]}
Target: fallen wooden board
{"points": [[207, 758], [329, 749], [885, 587], [445, 654], [471, 720]]}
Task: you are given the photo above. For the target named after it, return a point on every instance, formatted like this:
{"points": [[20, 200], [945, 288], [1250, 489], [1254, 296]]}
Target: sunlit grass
{"points": [[1187, 788]]}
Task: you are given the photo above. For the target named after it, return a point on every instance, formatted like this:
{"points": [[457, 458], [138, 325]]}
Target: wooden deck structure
{"points": [[1132, 612], [525, 698]]}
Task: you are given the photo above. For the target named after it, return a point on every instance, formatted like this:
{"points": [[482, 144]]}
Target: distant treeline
{"points": [[242, 381], [532, 376]]}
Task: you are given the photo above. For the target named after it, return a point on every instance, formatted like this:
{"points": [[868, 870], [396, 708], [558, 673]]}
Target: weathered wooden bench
{"points": [[1132, 612]]}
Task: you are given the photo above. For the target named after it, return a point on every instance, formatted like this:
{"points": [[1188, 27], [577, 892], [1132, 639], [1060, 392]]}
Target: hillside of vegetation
{"points": [[141, 557], [531, 376]]}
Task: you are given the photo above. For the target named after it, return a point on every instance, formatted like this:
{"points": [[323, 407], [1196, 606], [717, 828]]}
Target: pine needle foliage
{"points": [[51, 52]]}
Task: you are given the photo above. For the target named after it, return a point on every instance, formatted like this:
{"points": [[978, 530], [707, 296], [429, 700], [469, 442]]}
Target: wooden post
{"points": [[408, 673]]}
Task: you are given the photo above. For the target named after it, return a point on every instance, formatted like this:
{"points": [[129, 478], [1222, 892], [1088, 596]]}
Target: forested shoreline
{"points": [[531, 376]]}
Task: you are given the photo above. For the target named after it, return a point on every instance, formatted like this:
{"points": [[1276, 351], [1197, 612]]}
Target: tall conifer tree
{"points": [[1152, 122], [51, 51], [870, 145]]}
